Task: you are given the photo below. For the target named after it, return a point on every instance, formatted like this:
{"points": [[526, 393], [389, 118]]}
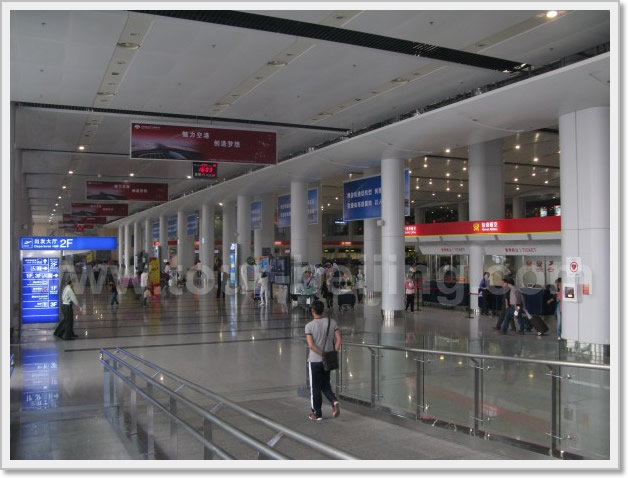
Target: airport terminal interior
{"points": [[193, 181]]}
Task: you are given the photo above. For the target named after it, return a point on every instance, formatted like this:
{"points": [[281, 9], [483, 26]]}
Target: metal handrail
{"points": [[261, 447], [557, 363]]}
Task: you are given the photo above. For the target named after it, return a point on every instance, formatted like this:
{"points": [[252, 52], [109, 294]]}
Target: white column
{"points": [[585, 206], [148, 237], [315, 233], [127, 251], [228, 231], [263, 238], [183, 243], [207, 236], [244, 227], [120, 246], [298, 221], [486, 200], [463, 211], [393, 245], [372, 257], [163, 239], [518, 207], [137, 247]]}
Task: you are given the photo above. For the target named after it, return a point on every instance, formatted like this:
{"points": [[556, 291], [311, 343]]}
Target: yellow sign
{"points": [[476, 227], [153, 271], [89, 258]]}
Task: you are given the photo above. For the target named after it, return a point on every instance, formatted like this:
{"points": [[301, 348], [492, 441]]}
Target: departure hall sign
{"points": [[191, 142], [67, 243], [530, 225]]}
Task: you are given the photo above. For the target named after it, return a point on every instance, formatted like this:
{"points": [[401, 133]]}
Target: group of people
{"points": [[515, 307]]}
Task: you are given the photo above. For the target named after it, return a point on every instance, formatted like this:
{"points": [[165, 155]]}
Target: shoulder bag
{"points": [[330, 359]]}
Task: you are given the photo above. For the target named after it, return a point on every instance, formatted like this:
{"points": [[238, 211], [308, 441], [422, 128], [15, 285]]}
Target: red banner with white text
{"points": [[529, 225]]}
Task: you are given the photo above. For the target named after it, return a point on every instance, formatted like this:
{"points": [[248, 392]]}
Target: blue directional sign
{"points": [[312, 206], [67, 243], [362, 198], [40, 290], [155, 231], [40, 378], [256, 215], [192, 224], [172, 227], [283, 207]]}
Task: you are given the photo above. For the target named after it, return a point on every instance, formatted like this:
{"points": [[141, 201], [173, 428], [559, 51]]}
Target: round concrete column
{"points": [[163, 239], [486, 200], [463, 211], [244, 227], [207, 236], [127, 251], [518, 207], [263, 238], [585, 206], [120, 247], [183, 244], [228, 231], [148, 237], [393, 242], [298, 221]]}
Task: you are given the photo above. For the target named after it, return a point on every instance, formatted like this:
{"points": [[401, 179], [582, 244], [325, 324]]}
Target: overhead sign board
{"points": [[70, 219], [195, 143], [172, 227], [283, 210], [531, 225], [70, 243], [362, 198], [256, 215], [99, 209], [192, 225], [125, 191], [312, 206]]}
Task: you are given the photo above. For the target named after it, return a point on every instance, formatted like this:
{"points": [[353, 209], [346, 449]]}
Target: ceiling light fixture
{"points": [[546, 181], [517, 188], [517, 146], [464, 169], [551, 14], [189, 177], [81, 148], [220, 204], [59, 197], [425, 165], [131, 174], [56, 204], [516, 179], [63, 187], [459, 195], [128, 45], [447, 174], [535, 159], [70, 172], [276, 63], [448, 150]]}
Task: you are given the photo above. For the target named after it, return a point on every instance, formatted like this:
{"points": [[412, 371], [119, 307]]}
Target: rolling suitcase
{"points": [[539, 325]]}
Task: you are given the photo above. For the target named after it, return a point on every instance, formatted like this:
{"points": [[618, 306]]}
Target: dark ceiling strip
{"points": [[339, 35], [114, 111]]}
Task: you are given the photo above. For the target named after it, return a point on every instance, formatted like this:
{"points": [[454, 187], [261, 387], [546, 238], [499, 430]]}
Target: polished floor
{"points": [[256, 356]]}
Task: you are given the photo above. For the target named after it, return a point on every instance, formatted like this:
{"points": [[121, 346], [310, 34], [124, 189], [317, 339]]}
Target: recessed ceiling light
{"points": [[409, 171], [517, 188], [533, 174], [70, 172], [128, 45], [416, 187], [447, 174], [54, 210], [459, 195], [517, 146], [220, 204], [59, 197], [448, 150], [328, 204], [63, 187], [81, 148], [425, 165], [276, 63], [189, 177], [551, 14], [535, 159], [131, 174], [413, 201], [546, 181], [107, 94], [433, 194], [464, 169], [516, 179], [447, 189], [461, 184]]}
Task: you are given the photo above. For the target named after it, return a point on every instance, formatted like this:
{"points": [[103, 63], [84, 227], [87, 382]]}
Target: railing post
{"points": [[478, 396], [420, 384], [133, 405], [106, 387], [174, 445], [207, 433], [374, 376], [555, 410], [150, 431]]}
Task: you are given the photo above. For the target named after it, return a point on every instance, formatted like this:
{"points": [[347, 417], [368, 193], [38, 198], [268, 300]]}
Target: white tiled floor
{"points": [[245, 353]]}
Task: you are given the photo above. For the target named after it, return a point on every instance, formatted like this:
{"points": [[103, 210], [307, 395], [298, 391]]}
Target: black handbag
{"points": [[330, 359]]}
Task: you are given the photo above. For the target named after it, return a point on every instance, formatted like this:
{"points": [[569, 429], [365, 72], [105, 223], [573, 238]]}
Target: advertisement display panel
{"points": [[172, 227], [312, 206], [192, 225], [79, 227], [121, 191], [97, 209], [40, 290], [256, 215], [362, 198], [195, 143], [155, 231], [283, 210]]}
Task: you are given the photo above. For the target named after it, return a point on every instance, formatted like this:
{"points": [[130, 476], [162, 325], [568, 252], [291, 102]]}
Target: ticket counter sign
{"points": [[194, 143], [532, 225], [40, 290]]}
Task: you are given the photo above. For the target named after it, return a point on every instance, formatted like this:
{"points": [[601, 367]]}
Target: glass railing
{"points": [[552, 397]]}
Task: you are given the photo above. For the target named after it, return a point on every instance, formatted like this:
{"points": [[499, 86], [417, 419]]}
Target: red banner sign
{"points": [[114, 191], [69, 219], [530, 225], [159, 141], [96, 209], [76, 227]]}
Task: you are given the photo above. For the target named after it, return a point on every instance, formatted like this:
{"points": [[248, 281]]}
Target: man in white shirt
{"points": [[65, 329]]}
